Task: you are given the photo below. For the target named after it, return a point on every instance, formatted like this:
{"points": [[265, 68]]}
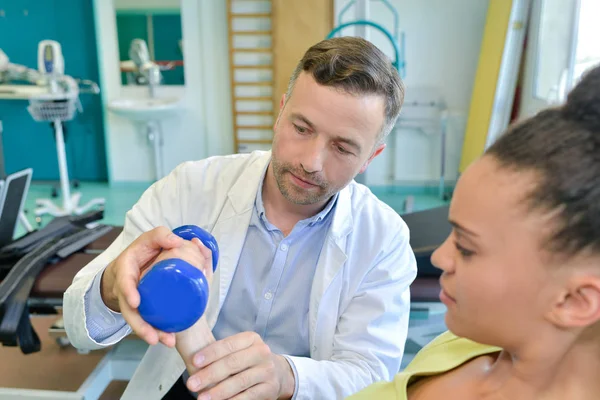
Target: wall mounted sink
{"points": [[150, 112], [146, 109]]}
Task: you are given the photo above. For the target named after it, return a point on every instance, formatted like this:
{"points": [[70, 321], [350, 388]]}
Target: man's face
{"points": [[323, 138]]}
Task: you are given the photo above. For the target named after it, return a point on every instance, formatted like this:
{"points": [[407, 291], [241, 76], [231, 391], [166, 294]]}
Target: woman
{"points": [[521, 268]]}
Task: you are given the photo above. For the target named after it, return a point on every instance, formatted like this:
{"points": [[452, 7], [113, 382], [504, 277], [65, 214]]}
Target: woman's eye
{"points": [[464, 252]]}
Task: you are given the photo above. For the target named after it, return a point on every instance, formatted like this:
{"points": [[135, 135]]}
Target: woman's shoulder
{"points": [[445, 352]]}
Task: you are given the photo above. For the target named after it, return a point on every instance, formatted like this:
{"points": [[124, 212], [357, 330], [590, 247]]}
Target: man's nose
{"points": [[313, 156]]}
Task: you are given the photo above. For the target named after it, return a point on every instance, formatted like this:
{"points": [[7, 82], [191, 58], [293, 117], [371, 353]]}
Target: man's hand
{"points": [[121, 277], [241, 367]]}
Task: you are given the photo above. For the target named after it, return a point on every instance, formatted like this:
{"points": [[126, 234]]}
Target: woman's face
{"points": [[496, 280]]}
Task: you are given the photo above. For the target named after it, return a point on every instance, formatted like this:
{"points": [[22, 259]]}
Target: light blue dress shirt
{"points": [[270, 290]]}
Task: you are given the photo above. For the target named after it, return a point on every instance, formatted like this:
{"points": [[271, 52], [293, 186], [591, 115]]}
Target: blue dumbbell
{"points": [[174, 293]]}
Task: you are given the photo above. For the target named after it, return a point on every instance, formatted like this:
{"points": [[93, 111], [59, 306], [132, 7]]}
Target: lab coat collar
{"points": [[243, 192], [342, 217]]}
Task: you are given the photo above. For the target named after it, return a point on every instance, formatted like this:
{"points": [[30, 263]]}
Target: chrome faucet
{"points": [[147, 71]]}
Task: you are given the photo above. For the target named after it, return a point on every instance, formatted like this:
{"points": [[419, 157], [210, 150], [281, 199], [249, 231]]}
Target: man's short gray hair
{"points": [[357, 67]]}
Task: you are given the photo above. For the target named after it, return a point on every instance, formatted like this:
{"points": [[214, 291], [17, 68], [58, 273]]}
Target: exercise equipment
{"points": [[12, 202], [54, 98], [45, 299], [174, 293], [396, 39], [33, 252]]}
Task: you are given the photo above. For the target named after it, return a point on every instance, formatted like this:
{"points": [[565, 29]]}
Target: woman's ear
{"points": [[578, 304]]}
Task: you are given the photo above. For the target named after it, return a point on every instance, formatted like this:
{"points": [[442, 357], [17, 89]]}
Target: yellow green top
{"points": [[443, 354]]}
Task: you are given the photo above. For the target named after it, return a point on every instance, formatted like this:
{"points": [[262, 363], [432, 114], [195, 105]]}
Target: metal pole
{"points": [[362, 14], [2, 167], [443, 132], [62, 166], [573, 47]]}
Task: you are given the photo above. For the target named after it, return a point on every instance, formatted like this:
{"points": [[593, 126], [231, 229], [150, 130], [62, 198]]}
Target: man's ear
{"points": [[281, 105], [377, 152], [578, 305]]}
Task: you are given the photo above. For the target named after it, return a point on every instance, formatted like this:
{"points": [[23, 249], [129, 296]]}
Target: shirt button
{"points": [[268, 295], [283, 247]]}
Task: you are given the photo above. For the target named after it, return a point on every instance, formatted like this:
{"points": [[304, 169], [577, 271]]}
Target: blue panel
{"points": [[31, 144], [167, 34], [129, 27]]}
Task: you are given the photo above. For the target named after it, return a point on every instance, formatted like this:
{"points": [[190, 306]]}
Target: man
{"points": [[310, 299]]}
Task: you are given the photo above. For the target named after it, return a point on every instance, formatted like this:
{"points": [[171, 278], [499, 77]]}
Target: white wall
{"points": [[203, 126], [443, 39]]}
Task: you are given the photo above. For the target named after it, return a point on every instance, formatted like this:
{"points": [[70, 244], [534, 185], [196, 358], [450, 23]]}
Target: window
{"points": [[568, 46]]}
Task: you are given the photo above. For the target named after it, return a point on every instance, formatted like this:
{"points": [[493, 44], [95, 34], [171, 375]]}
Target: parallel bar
{"points": [[253, 66], [255, 113], [260, 83], [264, 83], [255, 141], [251, 33], [254, 126], [251, 15], [255, 50], [254, 98]]}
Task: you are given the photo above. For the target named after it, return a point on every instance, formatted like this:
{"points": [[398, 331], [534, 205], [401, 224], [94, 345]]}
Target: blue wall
{"points": [[31, 144]]}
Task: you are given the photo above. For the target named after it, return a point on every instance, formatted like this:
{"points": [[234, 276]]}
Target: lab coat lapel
{"points": [[332, 258], [230, 232]]}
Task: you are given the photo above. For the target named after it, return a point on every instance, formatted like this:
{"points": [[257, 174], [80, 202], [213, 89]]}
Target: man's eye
{"points": [[299, 129], [342, 150]]}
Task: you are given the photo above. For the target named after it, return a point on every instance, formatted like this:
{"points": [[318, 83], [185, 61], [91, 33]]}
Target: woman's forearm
{"points": [[192, 340]]}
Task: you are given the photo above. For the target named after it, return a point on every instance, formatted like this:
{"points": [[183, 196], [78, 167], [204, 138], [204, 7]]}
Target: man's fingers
{"points": [[166, 338], [150, 243], [260, 391], [239, 384], [219, 349], [207, 254], [141, 328], [163, 238], [230, 365], [144, 330], [127, 282]]}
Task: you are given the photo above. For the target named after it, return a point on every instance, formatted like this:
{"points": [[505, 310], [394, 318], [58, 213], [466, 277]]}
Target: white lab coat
{"points": [[359, 304]]}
